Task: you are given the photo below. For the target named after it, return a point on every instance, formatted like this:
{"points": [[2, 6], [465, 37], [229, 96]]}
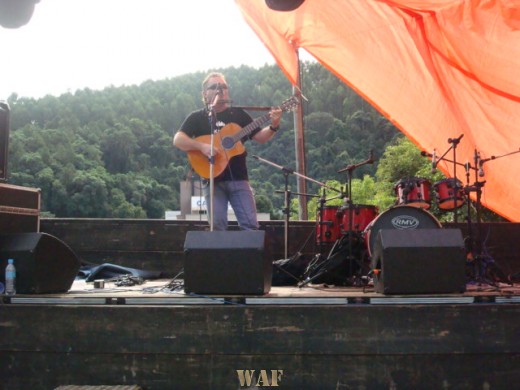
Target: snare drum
{"points": [[362, 215], [399, 217], [328, 228], [449, 194], [413, 191]]}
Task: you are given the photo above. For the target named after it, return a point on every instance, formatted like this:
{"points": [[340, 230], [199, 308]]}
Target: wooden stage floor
{"points": [[170, 291]]}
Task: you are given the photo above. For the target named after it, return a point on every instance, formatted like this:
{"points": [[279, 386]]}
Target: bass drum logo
{"points": [[405, 222]]}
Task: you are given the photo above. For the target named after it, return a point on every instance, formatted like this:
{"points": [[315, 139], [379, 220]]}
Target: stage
{"points": [[154, 336]]}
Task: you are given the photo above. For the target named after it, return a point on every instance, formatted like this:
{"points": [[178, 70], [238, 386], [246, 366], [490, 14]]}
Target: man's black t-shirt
{"points": [[198, 123]]}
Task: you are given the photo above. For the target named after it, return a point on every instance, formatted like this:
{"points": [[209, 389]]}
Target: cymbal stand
{"points": [[287, 205]]}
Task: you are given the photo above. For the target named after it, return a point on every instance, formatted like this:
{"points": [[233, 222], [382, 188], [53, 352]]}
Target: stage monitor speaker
{"points": [[227, 262], [419, 261], [44, 264], [4, 140]]}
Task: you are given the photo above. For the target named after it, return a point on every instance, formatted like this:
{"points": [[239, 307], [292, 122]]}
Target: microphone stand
{"points": [[287, 206], [454, 142], [212, 117], [480, 259], [349, 169]]}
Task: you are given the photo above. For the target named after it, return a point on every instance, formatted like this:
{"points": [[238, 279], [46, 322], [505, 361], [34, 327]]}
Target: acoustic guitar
{"points": [[228, 142]]}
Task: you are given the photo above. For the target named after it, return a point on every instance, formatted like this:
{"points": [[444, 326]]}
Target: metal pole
{"points": [[299, 143]]}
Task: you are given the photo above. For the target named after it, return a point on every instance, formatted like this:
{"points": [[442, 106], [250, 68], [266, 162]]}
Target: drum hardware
{"points": [[452, 195], [449, 192], [337, 266], [454, 142], [340, 250], [480, 262], [288, 193]]}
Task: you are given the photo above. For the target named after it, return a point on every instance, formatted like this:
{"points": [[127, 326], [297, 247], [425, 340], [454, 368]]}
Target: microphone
{"points": [[481, 168], [455, 140], [434, 160], [215, 101]]}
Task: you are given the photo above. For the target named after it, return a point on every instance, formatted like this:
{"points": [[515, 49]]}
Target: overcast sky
{"points": [[74, 44]]}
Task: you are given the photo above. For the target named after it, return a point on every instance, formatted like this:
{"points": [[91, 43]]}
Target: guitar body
{"points": [[226, 146]]}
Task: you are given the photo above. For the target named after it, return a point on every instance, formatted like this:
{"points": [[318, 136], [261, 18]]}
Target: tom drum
{"points": [[450, 194], [413, 191]]}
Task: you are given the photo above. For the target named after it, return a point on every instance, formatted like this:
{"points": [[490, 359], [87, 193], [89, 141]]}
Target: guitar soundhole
{"points": [[227, 142]]}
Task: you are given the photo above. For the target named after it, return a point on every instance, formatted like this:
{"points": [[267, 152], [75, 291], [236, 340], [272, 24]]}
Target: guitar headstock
{"points": [[290, 104]]}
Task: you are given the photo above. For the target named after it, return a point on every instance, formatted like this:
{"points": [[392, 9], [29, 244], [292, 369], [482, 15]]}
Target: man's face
{"points": [[216, 85]]}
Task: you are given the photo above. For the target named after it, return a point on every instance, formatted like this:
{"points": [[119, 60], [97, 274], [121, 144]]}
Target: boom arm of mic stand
{"points": [[485, 160], [350, 168], [299, 194], [451, 161], [295, 173]]}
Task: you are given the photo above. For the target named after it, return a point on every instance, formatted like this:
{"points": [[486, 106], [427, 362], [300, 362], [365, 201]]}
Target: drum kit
{"points": [[349, 232], [346, 235]]}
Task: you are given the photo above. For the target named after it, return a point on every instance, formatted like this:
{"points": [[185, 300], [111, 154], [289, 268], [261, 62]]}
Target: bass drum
{"points": [[399, 217], [362, 215]]}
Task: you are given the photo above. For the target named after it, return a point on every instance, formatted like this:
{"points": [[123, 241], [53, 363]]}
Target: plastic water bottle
{"points": [[10, 278]]}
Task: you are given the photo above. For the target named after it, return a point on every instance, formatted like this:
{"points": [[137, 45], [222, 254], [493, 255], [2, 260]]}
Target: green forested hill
{"points": [[109, 153]]}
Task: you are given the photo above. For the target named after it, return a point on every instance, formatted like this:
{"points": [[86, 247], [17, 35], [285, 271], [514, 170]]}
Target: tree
{"points": [[109, 153]]}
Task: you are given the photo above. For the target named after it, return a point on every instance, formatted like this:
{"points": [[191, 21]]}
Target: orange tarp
{"points": [[437, 69]]}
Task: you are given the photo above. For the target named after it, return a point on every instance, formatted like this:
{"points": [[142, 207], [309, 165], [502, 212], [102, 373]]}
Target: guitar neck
{"points": [[247, 130], [258, 122]]}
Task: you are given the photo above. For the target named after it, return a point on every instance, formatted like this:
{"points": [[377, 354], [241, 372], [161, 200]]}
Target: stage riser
{"points": [[202, 346], [363, 329], [46, 371]]}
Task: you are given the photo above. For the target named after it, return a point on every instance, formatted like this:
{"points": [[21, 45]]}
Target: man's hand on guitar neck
{"points": [[268, 132], [276, 116]]}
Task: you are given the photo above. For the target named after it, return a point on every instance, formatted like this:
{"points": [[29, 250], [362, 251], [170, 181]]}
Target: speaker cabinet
{"points": [[44, 264], [227, 262], [4, 139], [419, 261], [19, 209]]}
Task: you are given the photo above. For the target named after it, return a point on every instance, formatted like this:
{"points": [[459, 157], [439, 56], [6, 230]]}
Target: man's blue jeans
{"points": [[240, 195]]}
